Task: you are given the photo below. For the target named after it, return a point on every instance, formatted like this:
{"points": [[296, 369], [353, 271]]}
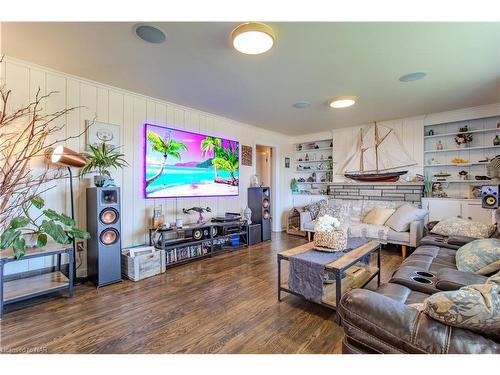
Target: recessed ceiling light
{"points": [[150, 33], [301, 104], [412, 77], [342, 101], [253, 38]]}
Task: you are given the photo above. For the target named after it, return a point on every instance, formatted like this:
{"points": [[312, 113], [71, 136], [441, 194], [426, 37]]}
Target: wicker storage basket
{"points": [[331, 241]]}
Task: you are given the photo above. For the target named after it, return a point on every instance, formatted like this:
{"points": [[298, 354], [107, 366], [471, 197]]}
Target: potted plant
{"points": [[294, 186], [428, 187], [25, 231], [101, 159]]}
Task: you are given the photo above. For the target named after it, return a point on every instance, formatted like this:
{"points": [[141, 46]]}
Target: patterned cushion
{"points": [[472, 307], [459, 227], [313, 208], [328, 208], [478, 254]]}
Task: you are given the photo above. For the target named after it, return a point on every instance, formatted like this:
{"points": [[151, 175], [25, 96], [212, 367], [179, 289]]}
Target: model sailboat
{"points": [[379, 155]]}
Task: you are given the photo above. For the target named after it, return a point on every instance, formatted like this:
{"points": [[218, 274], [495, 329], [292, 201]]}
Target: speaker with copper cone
{"points": [[103, 224], [259, 202]]}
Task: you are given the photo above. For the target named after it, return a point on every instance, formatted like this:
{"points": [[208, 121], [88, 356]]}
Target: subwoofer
{"points": [[103, 224], [259, 201], [489, 196]]}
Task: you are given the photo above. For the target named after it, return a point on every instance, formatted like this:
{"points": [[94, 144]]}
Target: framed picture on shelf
{"points": [[474, 191], [287, 162]]}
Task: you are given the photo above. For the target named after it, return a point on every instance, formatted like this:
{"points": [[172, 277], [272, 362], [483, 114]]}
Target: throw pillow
{"points": [[473, 307], [378, 216], [328, 208], [313, 208], [456, 226], [478, 255], [406, 214]]}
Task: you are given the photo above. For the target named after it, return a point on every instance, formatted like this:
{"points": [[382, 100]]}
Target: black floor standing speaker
{"points": [[259, 201], [103, 224]]}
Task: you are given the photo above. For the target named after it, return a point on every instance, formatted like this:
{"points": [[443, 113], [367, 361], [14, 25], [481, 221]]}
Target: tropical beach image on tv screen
{"points": [[183, 164]]}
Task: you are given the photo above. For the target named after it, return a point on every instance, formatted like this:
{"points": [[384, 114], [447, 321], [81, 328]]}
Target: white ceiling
{"points": [[197, 67]]}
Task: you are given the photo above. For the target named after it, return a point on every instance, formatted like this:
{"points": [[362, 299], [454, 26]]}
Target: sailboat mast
{"points": [[376, 146], [362, 156]]}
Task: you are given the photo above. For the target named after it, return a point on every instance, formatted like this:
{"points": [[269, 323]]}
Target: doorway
{"points": [[264, 165]]}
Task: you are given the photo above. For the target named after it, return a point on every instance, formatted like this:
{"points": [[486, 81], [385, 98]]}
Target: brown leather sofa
{"points": [[381, 322]]}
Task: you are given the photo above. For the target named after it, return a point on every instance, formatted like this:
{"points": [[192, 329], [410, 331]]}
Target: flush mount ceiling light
{"points": [[150, 33], [301, 104], [342, 101], [253, 38], [412, 77]]}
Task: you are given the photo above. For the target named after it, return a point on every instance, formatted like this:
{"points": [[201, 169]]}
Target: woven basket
{"points": [[331, 241]]}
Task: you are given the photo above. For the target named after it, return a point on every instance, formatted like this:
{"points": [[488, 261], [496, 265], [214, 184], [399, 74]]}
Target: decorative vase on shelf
{"points": [[439, 146], [496, 141], [306, 157], [430, 132]]}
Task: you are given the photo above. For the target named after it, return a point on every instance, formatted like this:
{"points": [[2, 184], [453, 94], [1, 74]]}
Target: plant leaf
{"points": [[19, 222], [41, 240], [78, 233], [37, 201], [66, 220], [8, 237], [55, 231], [19, 247]]}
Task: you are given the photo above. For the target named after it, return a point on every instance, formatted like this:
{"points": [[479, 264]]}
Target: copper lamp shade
{"points": [[65, 157]]}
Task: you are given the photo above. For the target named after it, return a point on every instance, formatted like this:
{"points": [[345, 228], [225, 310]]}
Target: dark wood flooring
{"points": [[224, 304]]}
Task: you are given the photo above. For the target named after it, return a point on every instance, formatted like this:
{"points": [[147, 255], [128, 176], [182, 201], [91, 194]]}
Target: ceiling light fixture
{"points": [[342, 101], [412, 77], [150, 33], [253, 38]]}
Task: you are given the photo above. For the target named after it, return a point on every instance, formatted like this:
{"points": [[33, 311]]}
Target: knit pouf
{"points": [[331, 241]]}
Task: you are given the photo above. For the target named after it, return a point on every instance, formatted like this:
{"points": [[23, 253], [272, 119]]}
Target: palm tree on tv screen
{"points": [[167, 147], [210, 145], [228, 160]]}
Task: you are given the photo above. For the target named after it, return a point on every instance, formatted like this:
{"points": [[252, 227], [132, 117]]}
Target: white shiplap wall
{"points": [[131, 111]]}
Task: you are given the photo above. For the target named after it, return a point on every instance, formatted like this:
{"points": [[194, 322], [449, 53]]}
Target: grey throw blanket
{"points": [[307, 270]]}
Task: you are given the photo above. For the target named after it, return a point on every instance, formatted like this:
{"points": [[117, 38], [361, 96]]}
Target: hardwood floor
{"points": [[224, 304]]}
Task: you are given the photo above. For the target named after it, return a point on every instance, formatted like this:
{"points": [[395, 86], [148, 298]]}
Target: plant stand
{"points": [[37, 285]]}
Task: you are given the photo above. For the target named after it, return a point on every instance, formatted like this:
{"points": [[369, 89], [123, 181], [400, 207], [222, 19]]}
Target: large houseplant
{"points": [[101, 159], [25, 231]]}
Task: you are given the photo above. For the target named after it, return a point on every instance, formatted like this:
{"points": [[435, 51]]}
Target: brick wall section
{"points": [[386, 192]]}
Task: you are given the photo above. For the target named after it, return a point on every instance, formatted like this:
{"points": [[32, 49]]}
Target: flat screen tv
{"points": [[180, 163]]}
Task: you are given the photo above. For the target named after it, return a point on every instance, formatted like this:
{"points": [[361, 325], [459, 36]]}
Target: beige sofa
{"points": [[351, 213]]}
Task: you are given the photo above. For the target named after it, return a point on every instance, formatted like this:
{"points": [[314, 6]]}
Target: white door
{"points": [[443, 209], [474, 212]]}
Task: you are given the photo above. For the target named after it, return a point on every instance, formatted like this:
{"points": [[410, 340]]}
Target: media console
{"points": [[195, 241]]}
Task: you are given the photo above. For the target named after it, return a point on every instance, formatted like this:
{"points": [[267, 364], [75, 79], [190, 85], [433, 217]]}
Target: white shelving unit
{"points": [[313, 166], [474, 154]]}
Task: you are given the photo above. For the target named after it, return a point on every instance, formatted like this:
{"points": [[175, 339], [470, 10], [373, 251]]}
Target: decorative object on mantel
{"points": [[438, 190], [441, 176], [328, 236], [246, 155], [101, 159], [100, 132], [24, 231], [200, 211], [430, 132], [379, 155], [463, 175]]}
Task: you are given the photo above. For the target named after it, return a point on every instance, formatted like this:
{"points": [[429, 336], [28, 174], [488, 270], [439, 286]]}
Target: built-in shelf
{"points": [[314, 149], [313, 183], [456, 164], [467, 132], [478, 182], [314, 170], [315, 161], [461, 149]]}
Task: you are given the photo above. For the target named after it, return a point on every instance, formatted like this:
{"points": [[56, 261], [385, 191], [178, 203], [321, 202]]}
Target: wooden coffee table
{"points": [[349, 273]]}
